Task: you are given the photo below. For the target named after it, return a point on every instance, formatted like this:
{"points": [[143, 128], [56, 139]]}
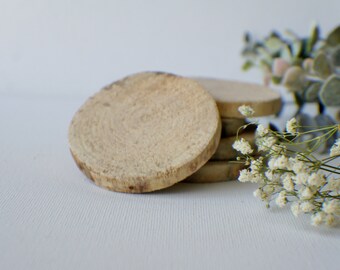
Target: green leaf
{"points": [[296, 48], [247, 37], [247, 65], [273, 44], [294, 79], [264, 54], [311, 93], [313, 38], [307, 64], [286, 53], [291, 35], [330, 91], [333, 38], [336, 56], [321, 65], [276, 80]]}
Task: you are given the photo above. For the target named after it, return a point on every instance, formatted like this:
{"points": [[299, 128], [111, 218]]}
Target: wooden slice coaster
{"points": [[216, 171], [145, 132], [225, 150], [230, 95], [230, 126]]}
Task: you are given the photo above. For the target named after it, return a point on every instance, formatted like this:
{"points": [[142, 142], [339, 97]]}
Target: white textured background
{"points": [[53, 54], [75, 47]]}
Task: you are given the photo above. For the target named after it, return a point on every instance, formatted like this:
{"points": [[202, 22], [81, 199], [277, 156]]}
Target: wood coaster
{"points": [[225, 150], [230, 126], [230, 95], [145, 132], [216, 171]]}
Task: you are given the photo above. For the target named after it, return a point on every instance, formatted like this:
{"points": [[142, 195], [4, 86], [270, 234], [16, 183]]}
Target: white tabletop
{"points": [[52, 217]]}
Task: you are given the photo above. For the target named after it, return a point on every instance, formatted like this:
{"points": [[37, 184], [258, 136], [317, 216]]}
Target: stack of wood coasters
{"points": [[229, 96], [151, 130]]}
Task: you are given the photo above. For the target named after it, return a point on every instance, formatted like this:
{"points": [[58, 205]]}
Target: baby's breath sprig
{"points": [[289, 171]]}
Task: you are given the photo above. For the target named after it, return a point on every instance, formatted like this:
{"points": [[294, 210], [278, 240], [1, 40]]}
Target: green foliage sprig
{"points": [[308, 67]]}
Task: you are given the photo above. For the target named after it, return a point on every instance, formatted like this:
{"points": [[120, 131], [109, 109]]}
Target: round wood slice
{"points": [[230, 95], [230, 126], [145, 132], [225, 150], [216, 171]]}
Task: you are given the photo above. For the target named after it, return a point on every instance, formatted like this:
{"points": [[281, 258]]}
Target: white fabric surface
{"points": [[52, 217]]}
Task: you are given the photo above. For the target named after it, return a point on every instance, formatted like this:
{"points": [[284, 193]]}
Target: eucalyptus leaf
{"points": [[333, 39], [307, 64], [273, 44], [324, 120], [312, 92], [296, 48], [285, 53], [313, 38], [247, 65], [322, 66], [247, 37], [336, 56], [294, 79], [291, 35], [306, 122], [330, 91], [264, 54]]}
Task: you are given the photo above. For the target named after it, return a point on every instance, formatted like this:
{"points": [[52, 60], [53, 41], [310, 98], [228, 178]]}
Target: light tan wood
{"points": [[230, 95], [216, 171], [230, 126], [145, 132], [225, 150]]}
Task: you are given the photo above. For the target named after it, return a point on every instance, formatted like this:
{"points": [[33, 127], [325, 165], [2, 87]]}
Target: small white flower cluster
{"points": [[335, 150], [246, 111], [241, 145], [286, 176], [291, 126]]}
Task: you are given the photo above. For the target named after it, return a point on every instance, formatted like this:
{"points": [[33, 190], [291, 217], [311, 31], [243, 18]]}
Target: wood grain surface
{"points": [[230, 126], [216, 171], [145, 132], [230, 95]]}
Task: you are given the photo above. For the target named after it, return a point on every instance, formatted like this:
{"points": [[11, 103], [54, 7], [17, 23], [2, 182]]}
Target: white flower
{"points": [[256, 165], [281, 162], [297, 165], [265, 143], [242, 146], [318, 218], [301, 178], [245, 110], [335, 150], [288, 183], [306, 193], [291, 126], [331, 207], [273, 177], [245, 176], [306, 207], [271, 163], [258, 193], [332, 185], [268, 189], [261, 130], [317, 179], [281, 200], [296, 210], [278, 149], [330, 220]]}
